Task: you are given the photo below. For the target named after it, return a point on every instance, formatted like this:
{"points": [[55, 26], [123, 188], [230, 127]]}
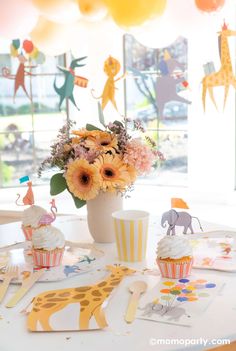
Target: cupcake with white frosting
{"points": [[174, 257], [48, 245], [30, 220]]}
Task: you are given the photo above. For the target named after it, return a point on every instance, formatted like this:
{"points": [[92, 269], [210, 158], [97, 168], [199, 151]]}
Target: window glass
{"points": [[156, 93], [28, 124]]}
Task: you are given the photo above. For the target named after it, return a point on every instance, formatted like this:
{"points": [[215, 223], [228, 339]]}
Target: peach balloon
{"points": [[209, 5], [52, 38], [17, 18], [51, 6]]}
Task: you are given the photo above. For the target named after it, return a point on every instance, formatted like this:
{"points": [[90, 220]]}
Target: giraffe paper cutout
{"points": [[90, 300], [225, 76], [111, 68]]}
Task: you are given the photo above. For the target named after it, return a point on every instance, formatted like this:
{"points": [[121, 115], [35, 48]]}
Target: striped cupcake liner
{"points": [[45, 258], [175, 270], [28, 232]]}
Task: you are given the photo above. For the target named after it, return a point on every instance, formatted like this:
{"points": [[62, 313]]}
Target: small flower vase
{"points": [[100, 221]]}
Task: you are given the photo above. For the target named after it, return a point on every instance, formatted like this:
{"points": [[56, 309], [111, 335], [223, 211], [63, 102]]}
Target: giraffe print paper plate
{"points": [[78, 258]]}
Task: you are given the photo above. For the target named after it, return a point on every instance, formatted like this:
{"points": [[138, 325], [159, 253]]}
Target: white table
{"points": [[218, 322]]}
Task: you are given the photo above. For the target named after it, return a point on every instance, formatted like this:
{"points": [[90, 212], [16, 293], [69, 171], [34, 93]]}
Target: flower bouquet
{"points": [[92, 160]]}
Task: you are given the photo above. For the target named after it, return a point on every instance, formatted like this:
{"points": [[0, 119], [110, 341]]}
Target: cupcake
{"points": [[30, 220], [48, 244], [174, 257]]}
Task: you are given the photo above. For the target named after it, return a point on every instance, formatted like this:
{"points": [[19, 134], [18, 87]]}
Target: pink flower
{"points": [[81, 152], [139, 156]]}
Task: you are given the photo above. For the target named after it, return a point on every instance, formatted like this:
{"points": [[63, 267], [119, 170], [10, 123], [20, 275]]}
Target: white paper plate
{"points": [[78, 258], [214, 250]]}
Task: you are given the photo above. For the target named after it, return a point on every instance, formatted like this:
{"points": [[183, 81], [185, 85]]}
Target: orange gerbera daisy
{"points": [[114, 173], [84, 133], [103, 142], [83, 179]]}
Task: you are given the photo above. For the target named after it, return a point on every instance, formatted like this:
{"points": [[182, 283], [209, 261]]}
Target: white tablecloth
{"points": [[219, 321]]}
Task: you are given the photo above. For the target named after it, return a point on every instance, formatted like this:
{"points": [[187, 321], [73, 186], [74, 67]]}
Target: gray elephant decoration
{"points": [[173, 313], [174, 218]]}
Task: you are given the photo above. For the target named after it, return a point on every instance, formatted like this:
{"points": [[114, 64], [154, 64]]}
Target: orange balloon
{"points": [[90, 7], [209, 5]]}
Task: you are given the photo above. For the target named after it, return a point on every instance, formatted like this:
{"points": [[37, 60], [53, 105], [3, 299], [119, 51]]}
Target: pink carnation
{"points": [[139, 156], [81, 152]]}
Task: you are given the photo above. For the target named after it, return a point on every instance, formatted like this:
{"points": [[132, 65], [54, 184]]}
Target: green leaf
{"points": [[101, 115], [57, 184], [90, 127], [78, 202]]}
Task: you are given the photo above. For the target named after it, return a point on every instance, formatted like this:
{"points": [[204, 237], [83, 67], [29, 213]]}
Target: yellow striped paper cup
{"points": [[131, 231]]}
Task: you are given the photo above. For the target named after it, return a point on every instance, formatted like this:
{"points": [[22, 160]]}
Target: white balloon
{"points": [[188, 21], [17, 18], [155, 34], [181, 18], [98, 40], [67, 15]]}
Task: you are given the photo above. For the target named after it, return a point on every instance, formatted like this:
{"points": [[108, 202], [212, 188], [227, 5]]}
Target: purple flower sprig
{"points": [[60, 152], [123, 137], [81, 152]]}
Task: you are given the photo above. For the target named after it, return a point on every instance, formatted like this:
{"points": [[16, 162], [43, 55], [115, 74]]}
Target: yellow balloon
{"points": [[134, 12], [14, 51], [34, 53], [52, 38], [90, 7]]}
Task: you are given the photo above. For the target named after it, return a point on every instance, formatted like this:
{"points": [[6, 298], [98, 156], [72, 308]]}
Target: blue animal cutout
{"points": [[66, 90], [71, 269], [87, 259]]}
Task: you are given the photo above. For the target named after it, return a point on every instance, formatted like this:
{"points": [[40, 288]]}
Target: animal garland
{"points": [[225, 76], [66, 90], [28, 52], [111, 68]]}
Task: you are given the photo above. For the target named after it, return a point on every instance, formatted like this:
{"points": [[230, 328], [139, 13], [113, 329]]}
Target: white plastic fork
{"points": [[11, 272]]}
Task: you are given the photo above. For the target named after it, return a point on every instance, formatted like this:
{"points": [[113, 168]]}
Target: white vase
{"points": [[99, 217]]}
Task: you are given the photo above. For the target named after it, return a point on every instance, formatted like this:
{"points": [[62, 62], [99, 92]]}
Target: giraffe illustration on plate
{"points": [[90, 299]]}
